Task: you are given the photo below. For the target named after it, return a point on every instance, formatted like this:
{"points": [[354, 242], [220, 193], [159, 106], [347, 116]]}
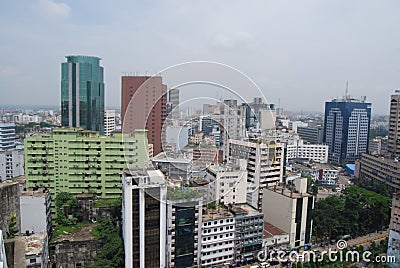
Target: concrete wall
{"points": [[68, 254], [279, 210], [33, 214], [9, 204]]}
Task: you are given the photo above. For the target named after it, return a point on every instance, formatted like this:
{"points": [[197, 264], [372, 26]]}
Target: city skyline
{"points": [[286, 48]]}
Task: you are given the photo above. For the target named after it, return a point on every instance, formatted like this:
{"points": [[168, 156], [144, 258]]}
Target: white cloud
{"points": [[236, 40], [7, 71], [52, 10]]}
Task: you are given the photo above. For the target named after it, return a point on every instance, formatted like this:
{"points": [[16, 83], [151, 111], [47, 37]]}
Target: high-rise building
{"points": [[227, 184], [293, 217], [311, 134], [7, 136], [346, 128], [234, 120], [265, 160], [144, 218], [109, 122], [233, 124], [81, 161], [184, 218], [393, 146], [144, 108], [82, 93], [381, 169], [173, 98]]}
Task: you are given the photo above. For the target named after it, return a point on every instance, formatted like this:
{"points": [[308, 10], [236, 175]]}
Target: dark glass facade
{"points": [[346, 129], [184, 236], [82, 93], [152, 227]]}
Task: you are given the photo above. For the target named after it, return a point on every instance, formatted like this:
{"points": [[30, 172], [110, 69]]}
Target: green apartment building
{"points": [[82, 161]]}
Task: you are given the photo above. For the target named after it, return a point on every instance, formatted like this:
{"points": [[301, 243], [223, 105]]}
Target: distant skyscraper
{"points": [[346, 128], [173, 98], [148, 107], [393, 146], [82, 93]]}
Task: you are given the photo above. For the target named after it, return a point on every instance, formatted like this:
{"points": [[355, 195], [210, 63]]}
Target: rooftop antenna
{"points": [[347, 90]]}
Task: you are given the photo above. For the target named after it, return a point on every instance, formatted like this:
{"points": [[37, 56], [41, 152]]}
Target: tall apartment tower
{"points": [[109, 122], [7, 136], [144, 204], [346, 128], [145, 107], [393, 146], [82, 93]]}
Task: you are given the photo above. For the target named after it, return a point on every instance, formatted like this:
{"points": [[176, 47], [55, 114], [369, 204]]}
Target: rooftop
{"points": [[41, 192], [163, 157], [34, 243], [238, 209], [8, 183], [217, 214], [271, 230], [288, 192], [77, 233]]}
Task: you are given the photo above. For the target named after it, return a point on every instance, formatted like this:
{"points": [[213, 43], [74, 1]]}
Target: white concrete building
{"points": [[264, 165], [11, 164], [217, 238], [109, 122], [316, 152], [288, 208], [3, 258], [326, 176], [227, 184], [143, 205]]}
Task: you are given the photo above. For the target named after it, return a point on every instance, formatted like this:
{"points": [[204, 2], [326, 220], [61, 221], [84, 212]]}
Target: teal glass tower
{"points": [[82, 93]]}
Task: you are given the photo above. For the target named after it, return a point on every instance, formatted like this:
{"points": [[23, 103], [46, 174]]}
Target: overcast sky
{"points": [[301, 52]]}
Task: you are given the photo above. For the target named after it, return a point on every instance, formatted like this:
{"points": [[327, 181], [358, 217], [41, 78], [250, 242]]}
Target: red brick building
{"points": [[144, 108]]}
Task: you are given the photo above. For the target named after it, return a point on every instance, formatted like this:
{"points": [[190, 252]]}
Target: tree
{"points": [[12, 227], [356, 211]]}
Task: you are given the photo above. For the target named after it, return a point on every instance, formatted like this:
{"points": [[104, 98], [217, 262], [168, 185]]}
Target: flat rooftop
{"points": [[285, 191], [83, 233], [244, 209], [271, 230], [34, 243], [217, 214], [41, 192], [163, 157]]}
